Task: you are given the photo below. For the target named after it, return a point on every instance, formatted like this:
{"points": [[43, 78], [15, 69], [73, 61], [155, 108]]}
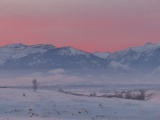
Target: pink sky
{"points": [[90, 25]]}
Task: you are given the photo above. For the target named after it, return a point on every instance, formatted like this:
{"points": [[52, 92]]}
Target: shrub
{"points": [[128, 95], [93, 94], [141, 96]]}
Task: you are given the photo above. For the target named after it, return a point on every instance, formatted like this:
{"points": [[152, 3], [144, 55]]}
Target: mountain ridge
{"points": [[46, 56]]}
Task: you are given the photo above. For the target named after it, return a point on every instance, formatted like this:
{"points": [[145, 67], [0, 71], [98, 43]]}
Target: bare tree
{"points": [[35, 84]]}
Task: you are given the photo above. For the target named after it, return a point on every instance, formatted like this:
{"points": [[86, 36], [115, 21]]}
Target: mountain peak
{"points": [[45, 46], [72, 51], [149, 43], [152, 44], [145, 48]]}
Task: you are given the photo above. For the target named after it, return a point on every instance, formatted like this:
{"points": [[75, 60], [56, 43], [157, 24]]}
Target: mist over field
{"points": [[66, 77]]}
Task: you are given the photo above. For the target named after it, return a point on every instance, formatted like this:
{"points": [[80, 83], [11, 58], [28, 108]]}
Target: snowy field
{"points": [[68, 95], [24, 104]]}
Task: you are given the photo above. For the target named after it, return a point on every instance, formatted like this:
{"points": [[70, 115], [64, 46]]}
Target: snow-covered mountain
{"points": [[47, 57], [143, 58], [44, 56]]}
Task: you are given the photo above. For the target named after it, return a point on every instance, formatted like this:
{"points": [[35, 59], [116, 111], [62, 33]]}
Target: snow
{"points": [[24, 104], [117, 65], [132, 59], [71, 51], [3, 57], [74, 102], [17, 45], [16, 51], [153, 95], [28, 51], [103, 55], [146, 48]]}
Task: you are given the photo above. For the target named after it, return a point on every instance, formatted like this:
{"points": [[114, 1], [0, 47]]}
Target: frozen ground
{"points": [[21, 104]]}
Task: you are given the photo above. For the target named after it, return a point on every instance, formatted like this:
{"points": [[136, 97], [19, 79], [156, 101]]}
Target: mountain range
{"points": [[45, 56]]}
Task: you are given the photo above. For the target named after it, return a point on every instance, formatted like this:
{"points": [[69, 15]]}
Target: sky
{"points": [[89, 25]]}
